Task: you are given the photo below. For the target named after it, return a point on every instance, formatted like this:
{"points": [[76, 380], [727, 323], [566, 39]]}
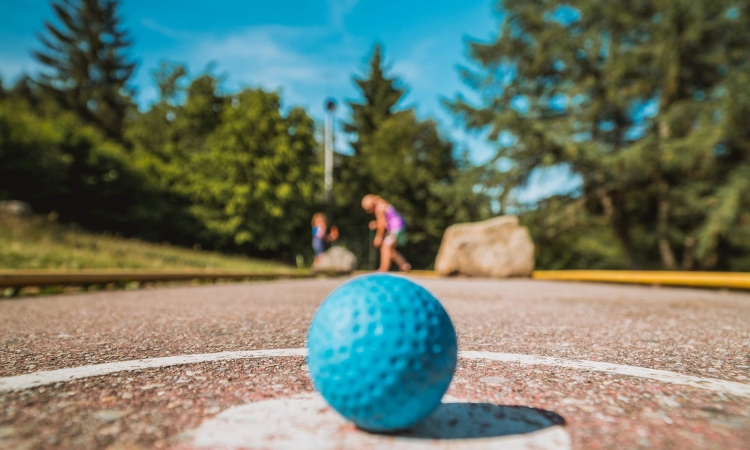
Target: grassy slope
{"points": [[35, 243]]}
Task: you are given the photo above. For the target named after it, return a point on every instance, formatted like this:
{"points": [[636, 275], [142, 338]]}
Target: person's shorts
{"points": [[318, 246], [395, 238]]}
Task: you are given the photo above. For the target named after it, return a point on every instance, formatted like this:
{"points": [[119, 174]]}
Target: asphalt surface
{"points": [[701, 333]]}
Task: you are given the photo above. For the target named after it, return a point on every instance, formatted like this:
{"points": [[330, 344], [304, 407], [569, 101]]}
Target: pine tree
{"points": [[380, 95], [570, 80], [403, 159], [87, 68]]}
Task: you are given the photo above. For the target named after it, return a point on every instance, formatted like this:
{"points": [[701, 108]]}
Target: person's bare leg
{"points": [[386, 252], [403, 265]]}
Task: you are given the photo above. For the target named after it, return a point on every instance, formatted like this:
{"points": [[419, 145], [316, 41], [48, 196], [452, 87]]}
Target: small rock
{"points": [[109, 415], [494, 381], [7, 432], [668, 402], [336, 259], [15, 208], [656, 415], [212, 410], [110, 430]]}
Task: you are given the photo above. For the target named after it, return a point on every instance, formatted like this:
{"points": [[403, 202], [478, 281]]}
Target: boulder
{"points": [[336, 259], [15, 208], [497, 248]]}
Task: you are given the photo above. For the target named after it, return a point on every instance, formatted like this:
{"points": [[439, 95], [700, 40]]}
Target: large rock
{"points": [[497, 248], [336, 259], [15, 208]]}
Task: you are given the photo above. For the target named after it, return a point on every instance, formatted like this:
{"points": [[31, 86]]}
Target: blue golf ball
{"points": [[382, 352]]}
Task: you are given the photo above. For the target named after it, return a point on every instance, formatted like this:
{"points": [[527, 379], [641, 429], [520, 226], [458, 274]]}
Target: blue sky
{"points": [[309, 49]]}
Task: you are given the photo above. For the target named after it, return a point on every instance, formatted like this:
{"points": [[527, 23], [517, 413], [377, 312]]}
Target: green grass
{"points": [[36, 243]]}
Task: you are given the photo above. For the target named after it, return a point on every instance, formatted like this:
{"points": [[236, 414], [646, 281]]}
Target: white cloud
{"points": [[307, 64], [295, 58], [418, 64], [338, 9], [166, 31]]}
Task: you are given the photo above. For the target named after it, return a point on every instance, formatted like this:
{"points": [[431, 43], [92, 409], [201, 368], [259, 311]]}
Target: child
{"points": [[321, 235], [390, 232]]}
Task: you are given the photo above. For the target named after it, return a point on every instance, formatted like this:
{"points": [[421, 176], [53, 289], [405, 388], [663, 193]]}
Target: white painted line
{"points": [[35, 379], [306, 421], [665, 376]]}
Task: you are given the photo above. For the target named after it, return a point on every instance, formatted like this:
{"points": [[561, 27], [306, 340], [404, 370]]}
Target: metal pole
{"points": [[371, 263], [328, 165]]}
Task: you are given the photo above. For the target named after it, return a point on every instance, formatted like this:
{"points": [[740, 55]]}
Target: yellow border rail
{"points": [[21, 278], [692, 279], [417, 273]]}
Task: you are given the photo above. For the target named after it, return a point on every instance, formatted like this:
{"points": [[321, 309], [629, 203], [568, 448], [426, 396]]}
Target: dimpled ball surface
{"points": [[382, 352]]}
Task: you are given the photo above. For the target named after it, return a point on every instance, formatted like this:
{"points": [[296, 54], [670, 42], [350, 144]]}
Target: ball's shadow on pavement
{"points": [[481, 420]]}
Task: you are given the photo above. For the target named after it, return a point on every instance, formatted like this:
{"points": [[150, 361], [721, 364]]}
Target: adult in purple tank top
{"points": [[390, 232]]}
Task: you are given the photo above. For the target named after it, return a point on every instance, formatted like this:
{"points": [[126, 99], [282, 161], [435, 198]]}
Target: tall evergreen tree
{"points": [[572, 79], [87, 67], [380, 95], [403, 159]]}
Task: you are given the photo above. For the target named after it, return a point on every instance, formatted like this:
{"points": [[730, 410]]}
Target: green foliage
{"points": [[380, 95], [255, 183], [87, 71], [239, 167], [51, 160], [670, 187], [567, 236], [32, 165]]}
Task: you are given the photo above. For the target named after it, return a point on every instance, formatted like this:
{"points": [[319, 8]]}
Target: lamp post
{"points": [[330, 106]]}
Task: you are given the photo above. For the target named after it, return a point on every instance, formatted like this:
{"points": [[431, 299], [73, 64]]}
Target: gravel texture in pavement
{"points": [[689, 331]]}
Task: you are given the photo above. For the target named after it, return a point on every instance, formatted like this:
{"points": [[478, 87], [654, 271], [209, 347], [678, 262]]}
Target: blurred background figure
{"points": [[321, 234], [390, 232]]}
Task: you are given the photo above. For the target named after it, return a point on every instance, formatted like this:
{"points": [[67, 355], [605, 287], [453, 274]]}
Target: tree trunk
{"points": [[619, 226], [688, 258], [667, 256]]}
